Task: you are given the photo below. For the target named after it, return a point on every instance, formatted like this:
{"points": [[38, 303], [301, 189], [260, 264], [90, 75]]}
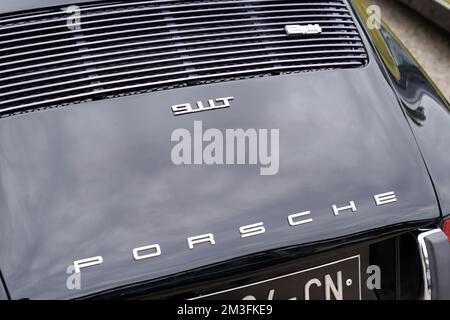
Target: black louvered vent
{"points": [[139, 46]]}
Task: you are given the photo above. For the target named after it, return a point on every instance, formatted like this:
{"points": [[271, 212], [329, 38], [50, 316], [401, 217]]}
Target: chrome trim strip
{"points": [[426, 271], [174, 81], [248, 11], [176, 66], [139, 57], [125, 4], [126, 45], [180, 35], [198, 17], [140, 23], [79, 42], [148, 77]]}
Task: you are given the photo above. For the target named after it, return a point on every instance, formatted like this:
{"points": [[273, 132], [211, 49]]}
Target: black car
{"points": [[218, 149]]}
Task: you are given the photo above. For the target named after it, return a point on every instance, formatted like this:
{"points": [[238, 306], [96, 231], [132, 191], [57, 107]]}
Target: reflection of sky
{"points": [[430, 118], [84, 181], [434, 139]]}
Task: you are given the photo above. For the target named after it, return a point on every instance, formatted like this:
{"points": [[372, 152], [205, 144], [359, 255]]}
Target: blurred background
{"points": [[428, 42]]}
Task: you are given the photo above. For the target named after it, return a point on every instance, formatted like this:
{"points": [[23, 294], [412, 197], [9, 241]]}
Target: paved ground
{"points": [[429, 44]]}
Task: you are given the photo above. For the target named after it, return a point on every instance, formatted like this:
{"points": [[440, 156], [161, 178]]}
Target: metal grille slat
{"points": [[112, 39], [141, 46], [71, 98], [79, 62], [173, 7], [215, 69], [148, 16], [96, 49], [98, 64], [174, 66], [138, 23]]}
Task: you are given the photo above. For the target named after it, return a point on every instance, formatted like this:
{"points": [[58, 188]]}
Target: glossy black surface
{"points": [[96, 179], [429, 117], [3, 293], [265, 265], [427, 110]]}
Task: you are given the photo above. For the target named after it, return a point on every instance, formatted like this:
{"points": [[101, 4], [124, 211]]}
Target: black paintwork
{"points": [[429, 116], [96, 179], [427, 110], [261, 266], [3, 292]]}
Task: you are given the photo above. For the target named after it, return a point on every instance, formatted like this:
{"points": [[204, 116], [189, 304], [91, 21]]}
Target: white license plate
{"points": [[337, 280]]}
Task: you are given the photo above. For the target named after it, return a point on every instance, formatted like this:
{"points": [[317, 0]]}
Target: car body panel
{"points": [[3, 293], [426, 108], [96, 179]]}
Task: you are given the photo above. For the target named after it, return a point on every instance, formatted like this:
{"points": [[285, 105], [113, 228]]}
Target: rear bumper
{"points": [[434, 250]]}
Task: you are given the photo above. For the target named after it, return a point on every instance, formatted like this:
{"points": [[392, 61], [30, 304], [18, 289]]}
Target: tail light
{"points": [[446, 228]]}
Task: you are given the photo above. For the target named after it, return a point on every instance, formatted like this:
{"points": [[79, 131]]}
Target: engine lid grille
{"points": [[131, 47]]}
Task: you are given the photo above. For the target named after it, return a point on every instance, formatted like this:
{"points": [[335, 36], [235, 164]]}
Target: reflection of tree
{"points": [[417, 115]]}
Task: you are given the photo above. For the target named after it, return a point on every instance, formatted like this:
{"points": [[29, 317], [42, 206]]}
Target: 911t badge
{"points": [[199, 106]]}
